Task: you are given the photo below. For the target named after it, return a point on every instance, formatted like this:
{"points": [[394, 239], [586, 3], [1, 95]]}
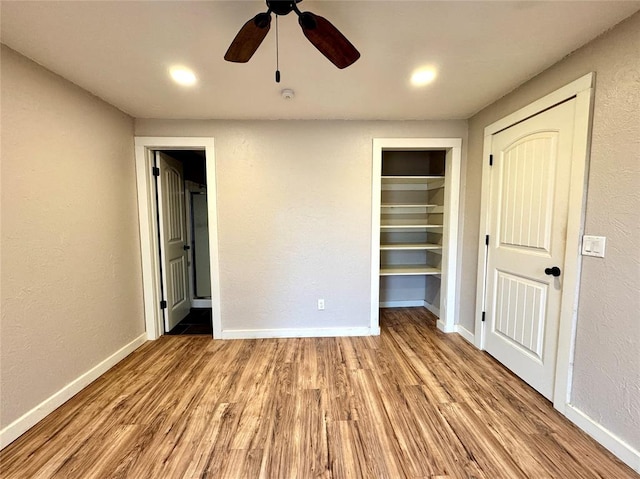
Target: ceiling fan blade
{"points": [[248, 39], [328, 39]]}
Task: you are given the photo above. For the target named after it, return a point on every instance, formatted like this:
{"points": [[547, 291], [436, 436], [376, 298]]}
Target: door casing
{"points": [[147, 211], [582, 89], [450, 283], [192, 188]]}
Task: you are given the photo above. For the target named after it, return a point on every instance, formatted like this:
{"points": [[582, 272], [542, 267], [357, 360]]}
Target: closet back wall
{"points": [[294, 212]]}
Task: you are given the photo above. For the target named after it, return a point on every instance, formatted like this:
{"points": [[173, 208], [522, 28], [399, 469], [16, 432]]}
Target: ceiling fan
{"points": [[318, 30]]}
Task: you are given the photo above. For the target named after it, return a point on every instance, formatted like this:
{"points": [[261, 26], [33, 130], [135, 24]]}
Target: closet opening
{"points": [[414, 218]]}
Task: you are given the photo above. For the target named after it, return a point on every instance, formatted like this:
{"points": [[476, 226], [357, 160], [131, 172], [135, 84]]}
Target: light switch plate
{"points": [[593, 246]]}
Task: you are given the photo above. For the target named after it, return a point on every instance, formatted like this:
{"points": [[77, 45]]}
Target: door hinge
{"points": [[486, 240], [163, 304], [156, 171], [483, 315], [490, 160]]}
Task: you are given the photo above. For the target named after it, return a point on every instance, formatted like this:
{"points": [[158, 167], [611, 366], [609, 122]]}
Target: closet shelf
{"points": [[404, 205], [406, 223], [408, 270], [412, 182], [437, 248], [416, 180]]}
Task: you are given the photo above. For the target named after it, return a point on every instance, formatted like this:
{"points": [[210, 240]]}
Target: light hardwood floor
{"points": [[412, 403]]}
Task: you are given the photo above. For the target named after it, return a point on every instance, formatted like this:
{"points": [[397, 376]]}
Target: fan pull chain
{"points": [[277, 54]]}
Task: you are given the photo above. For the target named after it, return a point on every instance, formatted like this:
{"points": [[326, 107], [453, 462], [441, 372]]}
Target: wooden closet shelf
{"points": [[412, 246], [408, 270]]}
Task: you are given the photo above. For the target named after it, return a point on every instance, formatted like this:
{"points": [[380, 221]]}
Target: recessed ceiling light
{"points": [[183, 76], [423, 76]]}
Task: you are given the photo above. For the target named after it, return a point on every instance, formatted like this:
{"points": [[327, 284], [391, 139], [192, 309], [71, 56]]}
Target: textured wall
{"points": [[71, 276], [606, 383], [294, 210]]}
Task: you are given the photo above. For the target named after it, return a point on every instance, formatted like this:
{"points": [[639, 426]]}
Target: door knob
{"points": [[555, 271], [186, 247]]}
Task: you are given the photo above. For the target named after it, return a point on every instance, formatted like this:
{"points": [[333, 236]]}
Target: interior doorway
{"points": [[529, 200], [532, 216], [181, 186], [150, 228]]}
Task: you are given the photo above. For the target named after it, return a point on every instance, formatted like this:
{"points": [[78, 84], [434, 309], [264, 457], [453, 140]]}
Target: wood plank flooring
{"points": [[412, 403]]}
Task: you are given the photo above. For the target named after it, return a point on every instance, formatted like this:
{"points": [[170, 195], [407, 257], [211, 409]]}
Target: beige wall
{"points": [[71, 282], [294, 211], [607, 355]]}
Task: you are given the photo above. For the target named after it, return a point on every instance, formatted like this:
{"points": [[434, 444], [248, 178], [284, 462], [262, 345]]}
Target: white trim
{"points": [[465, 333], [448, 279], [200, 303], [190, 188], [148, 242], [376, 201], [189, 224], [481, 278], [149, 232], [573, 257], [436, 311], [297, 333], [411, 303], [450, 231], [623, 451], [562, 94], [582, 89], [21, 425]]}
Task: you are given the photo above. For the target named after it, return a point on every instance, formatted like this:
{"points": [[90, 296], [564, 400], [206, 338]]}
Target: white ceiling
{"points": [[121, 51]]}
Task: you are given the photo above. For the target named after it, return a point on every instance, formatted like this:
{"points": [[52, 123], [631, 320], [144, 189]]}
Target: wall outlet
{"points": [[321, 305]]}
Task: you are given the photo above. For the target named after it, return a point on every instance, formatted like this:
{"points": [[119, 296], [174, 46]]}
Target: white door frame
{"points": [[191, 187], [582, 89], [449, 278], [147, 215]]}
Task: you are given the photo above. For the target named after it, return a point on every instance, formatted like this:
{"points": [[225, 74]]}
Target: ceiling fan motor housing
{"points": [[282, 7]]}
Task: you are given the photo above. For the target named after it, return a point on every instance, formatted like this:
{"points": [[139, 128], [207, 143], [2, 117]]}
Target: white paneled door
{"points": [[529, 202], [173, 240]]}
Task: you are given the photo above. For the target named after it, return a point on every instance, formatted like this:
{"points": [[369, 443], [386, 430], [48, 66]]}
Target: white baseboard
{"points": [[442, 326], [46, 407], [431, 308], [298, 333], [401, 304], [609, 440], [200, 303], [410, 303], [466, 334]]}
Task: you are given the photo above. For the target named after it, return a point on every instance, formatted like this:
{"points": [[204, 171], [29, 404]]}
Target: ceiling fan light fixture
{"points": [[423, 76], [183, 76]]}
